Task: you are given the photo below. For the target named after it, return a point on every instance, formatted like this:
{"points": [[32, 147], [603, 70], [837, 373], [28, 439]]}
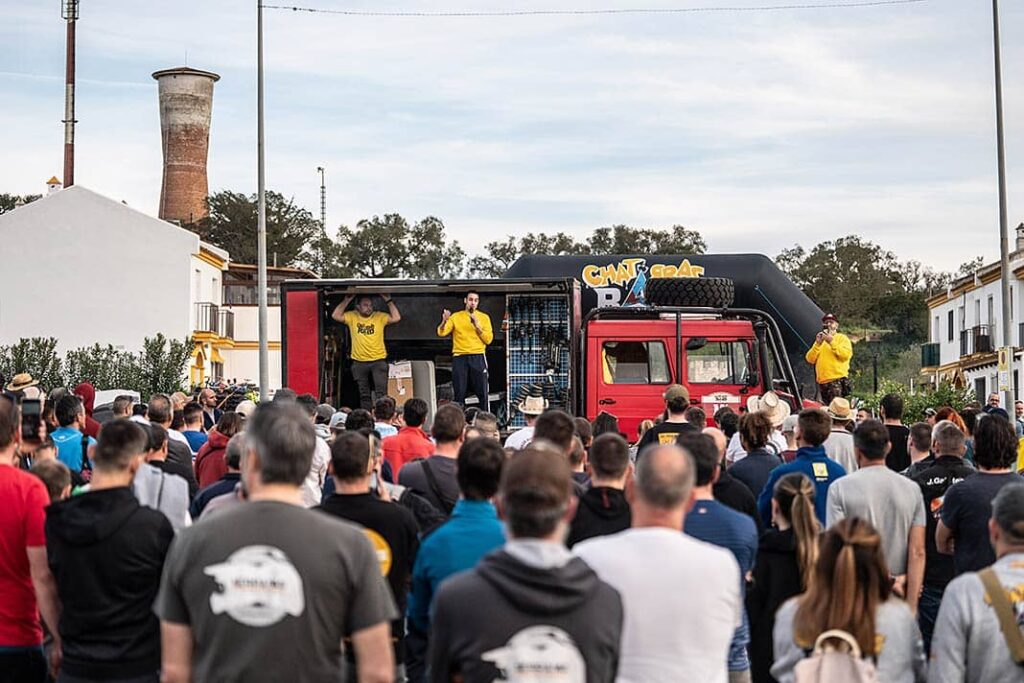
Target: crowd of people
{"points": [[291, 541]]}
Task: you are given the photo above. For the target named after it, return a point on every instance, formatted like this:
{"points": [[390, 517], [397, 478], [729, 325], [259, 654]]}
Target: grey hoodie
{"points": [[968, 644], [526, 610]]}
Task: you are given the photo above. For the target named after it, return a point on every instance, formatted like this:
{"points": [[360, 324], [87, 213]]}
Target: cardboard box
{"points": [[400, 384]]}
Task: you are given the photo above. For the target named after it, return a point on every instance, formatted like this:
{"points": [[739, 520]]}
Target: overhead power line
{"points": [[595, 12]]}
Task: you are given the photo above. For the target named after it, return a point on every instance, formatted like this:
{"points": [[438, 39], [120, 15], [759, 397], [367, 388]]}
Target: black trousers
{"points": [[23, 666], [471, 371], [372, 379]]}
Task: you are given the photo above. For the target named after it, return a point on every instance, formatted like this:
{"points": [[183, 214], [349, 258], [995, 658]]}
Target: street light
{"points": [[1004, 238], [261, 212]]}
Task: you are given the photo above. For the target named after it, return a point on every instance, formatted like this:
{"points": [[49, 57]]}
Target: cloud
{"points": [[760, 130]]}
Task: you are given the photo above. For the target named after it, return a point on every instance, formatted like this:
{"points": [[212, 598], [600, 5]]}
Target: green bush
{"points": [[161, 366], [915, 403]]}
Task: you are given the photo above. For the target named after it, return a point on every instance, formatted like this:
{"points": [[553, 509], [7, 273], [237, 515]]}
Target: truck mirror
{"points": [[694, 343]]}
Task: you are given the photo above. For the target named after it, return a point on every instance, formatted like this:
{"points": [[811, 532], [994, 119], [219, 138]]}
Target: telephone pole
{"points": [[69, 12]]}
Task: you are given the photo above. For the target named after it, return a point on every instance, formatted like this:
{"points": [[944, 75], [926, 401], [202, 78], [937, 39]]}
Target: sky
{"points": [[760, 130]]}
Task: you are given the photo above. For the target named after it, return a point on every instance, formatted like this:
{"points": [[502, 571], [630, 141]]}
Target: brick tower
{"points": [[186, 102]]}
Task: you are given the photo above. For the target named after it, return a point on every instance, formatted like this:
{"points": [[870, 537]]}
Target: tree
{"points": [[232, 225], [9, 202], [389, 247], [617, 239], [622, 239], [847, 276]]}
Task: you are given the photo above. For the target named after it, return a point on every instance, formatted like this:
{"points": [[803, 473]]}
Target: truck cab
{"points": [[631, 356]]}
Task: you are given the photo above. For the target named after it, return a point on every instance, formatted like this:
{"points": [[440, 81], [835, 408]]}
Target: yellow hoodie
{"points": [[831, 361]]}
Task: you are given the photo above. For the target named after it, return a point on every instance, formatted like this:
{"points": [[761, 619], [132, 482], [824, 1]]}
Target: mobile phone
{"points": [[31, 414]]}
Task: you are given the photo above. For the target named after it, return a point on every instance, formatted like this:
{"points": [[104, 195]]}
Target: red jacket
{"points": [[87, 393], [210, 464], [408, 444]]}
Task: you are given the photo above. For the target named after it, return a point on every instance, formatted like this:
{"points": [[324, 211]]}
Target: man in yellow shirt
{"points": [[830, 357], [369, 355], [471, 333]]}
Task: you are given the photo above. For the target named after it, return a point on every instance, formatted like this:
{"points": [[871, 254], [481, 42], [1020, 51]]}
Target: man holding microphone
{"points": [[830, 357], [471, 333]]}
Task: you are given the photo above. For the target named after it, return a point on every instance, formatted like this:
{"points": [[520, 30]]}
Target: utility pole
{"points": [[1004, 373], [261, 212], [69, 12], [323, 214]]}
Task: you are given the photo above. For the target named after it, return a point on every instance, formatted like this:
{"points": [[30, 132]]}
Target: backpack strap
{"points": [[842, 636], [1005, 614], [435, 488]]}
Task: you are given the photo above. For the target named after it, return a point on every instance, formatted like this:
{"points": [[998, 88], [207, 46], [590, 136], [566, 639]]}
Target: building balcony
{"points": [[206, 317], [214, 322], [930, 355], [977, 339], [226, 324]]}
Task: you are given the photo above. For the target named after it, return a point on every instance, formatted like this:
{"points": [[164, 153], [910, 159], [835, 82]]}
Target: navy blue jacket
{"points": [[812, 462]]}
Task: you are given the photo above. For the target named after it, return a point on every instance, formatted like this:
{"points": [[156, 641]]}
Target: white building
{"points": [[240, 297], [966, 328], [88, 269]]}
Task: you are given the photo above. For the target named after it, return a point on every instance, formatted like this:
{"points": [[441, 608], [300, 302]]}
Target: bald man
{"points": [[661, 641]]}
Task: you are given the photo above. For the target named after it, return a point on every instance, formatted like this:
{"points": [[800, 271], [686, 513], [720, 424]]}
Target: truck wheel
{"points": [[705, 292]]}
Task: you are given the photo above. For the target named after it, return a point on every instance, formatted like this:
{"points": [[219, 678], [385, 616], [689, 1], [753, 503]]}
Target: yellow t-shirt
{"points": [[465, 340], [367, 335]]}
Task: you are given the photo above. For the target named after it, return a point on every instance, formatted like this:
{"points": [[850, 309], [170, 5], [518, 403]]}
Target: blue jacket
{"points": [[816, 466], [471, 532], [69, 447]]}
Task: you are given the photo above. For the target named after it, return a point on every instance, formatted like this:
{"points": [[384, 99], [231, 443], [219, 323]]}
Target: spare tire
{"points": [[703, 292]]}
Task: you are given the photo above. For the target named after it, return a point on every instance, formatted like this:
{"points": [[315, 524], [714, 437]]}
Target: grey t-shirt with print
{"points": [[269, 590]]}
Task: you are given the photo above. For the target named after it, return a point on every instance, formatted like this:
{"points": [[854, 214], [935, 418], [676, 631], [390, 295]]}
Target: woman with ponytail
{"points": [[850, 590], [785, 558]]}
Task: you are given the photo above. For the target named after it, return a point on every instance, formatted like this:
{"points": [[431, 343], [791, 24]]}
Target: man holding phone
{"points": [[471, 333], [830, 357]]}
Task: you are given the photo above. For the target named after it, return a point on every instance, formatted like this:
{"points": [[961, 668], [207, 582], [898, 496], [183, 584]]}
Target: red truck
{"points": [[551, 341]]}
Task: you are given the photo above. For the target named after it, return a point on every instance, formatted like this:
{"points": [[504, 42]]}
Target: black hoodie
{"points": [[107, 553], [776, 579], [602, 511], [505, 615]]}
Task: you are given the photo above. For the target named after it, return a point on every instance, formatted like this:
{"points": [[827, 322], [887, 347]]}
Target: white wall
{"points": [[247, 323], [244, 365], [87, 269]]}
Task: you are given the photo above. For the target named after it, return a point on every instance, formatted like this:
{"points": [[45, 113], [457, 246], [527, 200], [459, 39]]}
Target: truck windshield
{"points": [[630, 362], [724, 362]]}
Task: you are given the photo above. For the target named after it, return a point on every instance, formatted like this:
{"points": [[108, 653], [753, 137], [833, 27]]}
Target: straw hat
{"points": [[839, 409], [770, 404], [533, 405], [21, 381]]}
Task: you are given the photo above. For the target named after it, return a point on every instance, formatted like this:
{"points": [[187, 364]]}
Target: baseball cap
{"points": [[338, 420], [325, 412], [676, 391], [246, 407], [829, 316]]}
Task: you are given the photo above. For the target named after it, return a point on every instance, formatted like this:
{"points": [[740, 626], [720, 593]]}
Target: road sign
{"points": [[1005, 360]]}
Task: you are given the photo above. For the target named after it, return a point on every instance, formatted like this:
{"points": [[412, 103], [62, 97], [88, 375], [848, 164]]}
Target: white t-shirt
{"points": [[312, 488], [735, 452], [680, 611], [520, 439]]}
